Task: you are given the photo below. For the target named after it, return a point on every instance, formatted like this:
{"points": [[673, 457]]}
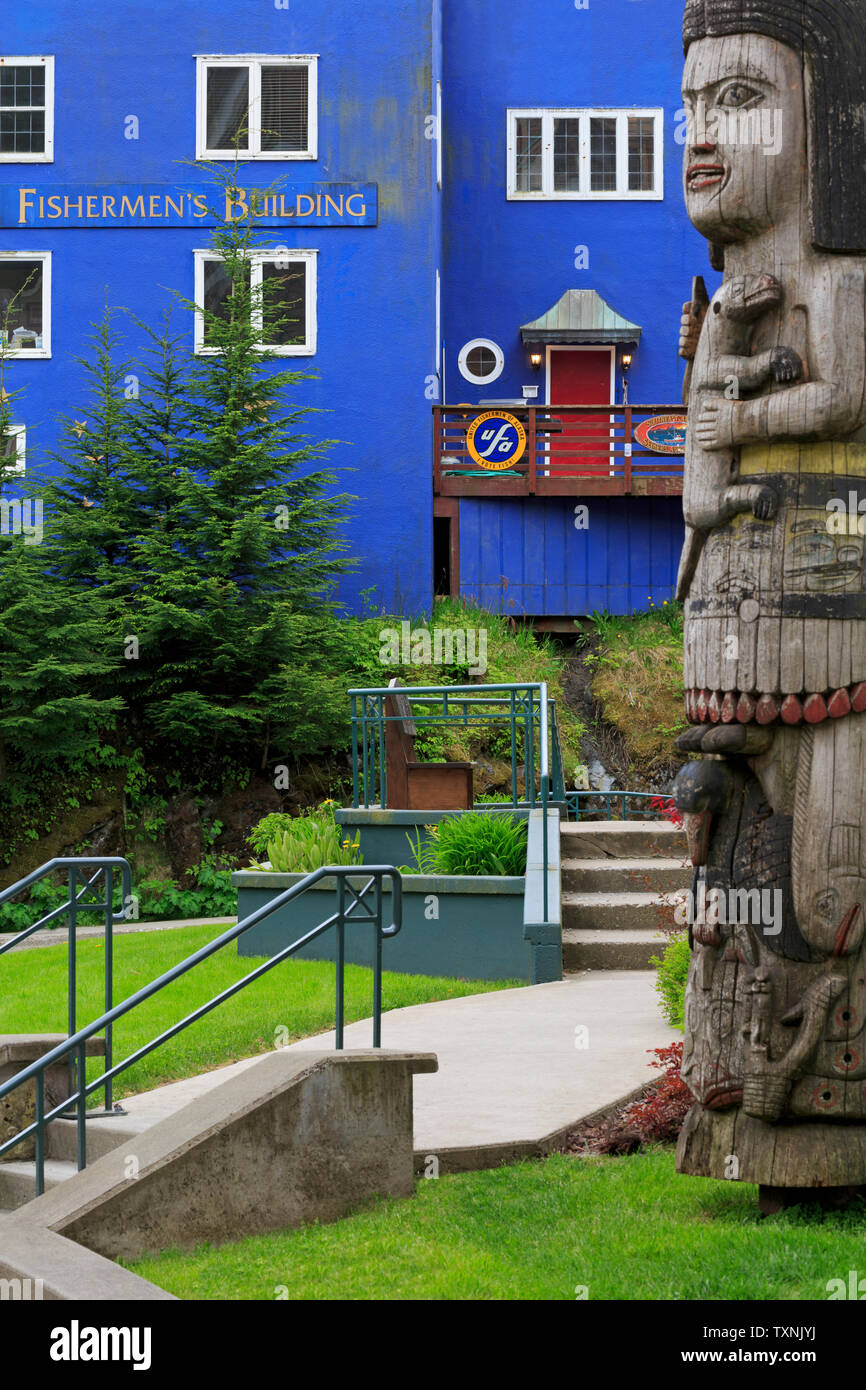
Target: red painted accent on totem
{"points": [[767, 709], [702, 707], [690, 706], [839, 704], [850, 1023], [724, 1099], [729, 707], [706, 935], [846, 927], [858, 697], [792, 710], [815, 710], [841, 1064], [818, 1101], [714, 707], [746, 708]]}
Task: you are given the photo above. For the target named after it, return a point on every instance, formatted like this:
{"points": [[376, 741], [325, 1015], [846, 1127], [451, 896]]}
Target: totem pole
{"points": [[774, 584]]}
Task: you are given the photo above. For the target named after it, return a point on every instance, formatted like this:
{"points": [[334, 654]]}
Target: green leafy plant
{"points": [[302, 844], [673, 970], [475, 843]]}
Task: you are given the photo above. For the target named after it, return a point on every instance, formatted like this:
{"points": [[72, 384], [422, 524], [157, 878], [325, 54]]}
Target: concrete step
{"points": [[18, 1180], [609, 950], [618, 912], [612, 875], [632, 839], [103, 1135]]}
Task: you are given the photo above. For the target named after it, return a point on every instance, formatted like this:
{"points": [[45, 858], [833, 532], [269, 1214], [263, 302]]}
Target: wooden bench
{"points": [[414, 786]]}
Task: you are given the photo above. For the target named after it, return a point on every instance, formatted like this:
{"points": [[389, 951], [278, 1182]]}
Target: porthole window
{"points": [[481, 361]]}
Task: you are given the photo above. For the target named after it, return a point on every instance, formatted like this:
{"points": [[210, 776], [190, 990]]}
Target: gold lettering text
{"points": [[240, 203], [24, 203]]}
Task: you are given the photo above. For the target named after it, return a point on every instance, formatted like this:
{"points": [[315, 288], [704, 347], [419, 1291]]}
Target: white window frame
{"points": [[45, 258], [255, 62], [549, 114], [463, 358], [438, 113], [47, 156], [19, 434], [256, 258]]}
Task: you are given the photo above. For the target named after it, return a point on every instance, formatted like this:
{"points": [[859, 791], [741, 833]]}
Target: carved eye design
{"points": [[737, 94]]}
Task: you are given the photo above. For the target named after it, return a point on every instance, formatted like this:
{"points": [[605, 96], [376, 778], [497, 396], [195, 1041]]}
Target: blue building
{"points": [[480, 202]]}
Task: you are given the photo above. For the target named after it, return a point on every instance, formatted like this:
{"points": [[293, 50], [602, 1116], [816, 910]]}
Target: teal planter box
{"points": [[466, 928]]}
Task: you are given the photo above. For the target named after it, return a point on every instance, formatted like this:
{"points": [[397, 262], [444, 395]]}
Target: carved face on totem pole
{"points": [[745, 152], [775, 593]]}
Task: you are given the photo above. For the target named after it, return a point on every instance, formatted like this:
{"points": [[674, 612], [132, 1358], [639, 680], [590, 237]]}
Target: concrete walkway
{"points": [[60, 935], [517, 1068]]}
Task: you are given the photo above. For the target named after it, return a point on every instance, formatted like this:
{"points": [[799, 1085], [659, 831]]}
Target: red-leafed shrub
{"points": [[659, 1116], [667, 809]]}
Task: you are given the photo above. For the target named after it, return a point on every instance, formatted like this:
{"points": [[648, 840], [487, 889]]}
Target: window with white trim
{"points": [[25, 302], [13, 450], [584, 153], [283, 285], [257, 106], [481, 361], [26, 110]]}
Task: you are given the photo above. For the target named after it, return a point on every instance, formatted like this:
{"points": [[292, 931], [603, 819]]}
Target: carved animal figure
{"points": [[711, 494]]}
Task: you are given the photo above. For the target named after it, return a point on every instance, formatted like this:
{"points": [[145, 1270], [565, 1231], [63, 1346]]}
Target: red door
{"points": [[581, 378]]}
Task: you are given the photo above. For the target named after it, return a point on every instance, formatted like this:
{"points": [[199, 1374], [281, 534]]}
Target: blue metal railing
{"points": [[75, 1046], [77, 901], [525, 707]]}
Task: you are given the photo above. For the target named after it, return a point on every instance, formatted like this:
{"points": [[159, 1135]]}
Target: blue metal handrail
{"points": [[77, 1044], [523, 704], [72, 906]]}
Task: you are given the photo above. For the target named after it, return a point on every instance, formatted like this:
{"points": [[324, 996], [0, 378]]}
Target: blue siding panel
{"points": [[525, 556]]}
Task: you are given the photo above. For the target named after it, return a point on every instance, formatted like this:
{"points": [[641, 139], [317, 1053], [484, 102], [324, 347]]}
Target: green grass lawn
{"points": [[627, 1228], [294, 1000]]}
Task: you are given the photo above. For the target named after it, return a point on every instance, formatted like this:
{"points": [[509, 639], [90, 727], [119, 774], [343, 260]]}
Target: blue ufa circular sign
{"points": [[496, 440]]}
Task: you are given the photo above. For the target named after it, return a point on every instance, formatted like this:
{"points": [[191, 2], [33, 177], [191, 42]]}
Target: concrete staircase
{"points": [[288, 1138], [18, 1177], [620, 884]]}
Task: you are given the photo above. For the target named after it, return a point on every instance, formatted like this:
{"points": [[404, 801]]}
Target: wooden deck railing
{"points": [[571, 450]]}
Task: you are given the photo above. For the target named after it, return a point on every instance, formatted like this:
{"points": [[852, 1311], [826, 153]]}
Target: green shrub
{"points": [[673, 969], [208, 893], [302, 844], [473, 843]]}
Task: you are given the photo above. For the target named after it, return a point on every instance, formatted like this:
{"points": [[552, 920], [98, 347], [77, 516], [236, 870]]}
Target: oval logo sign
{"points": [[665, 434], [496, 440]]}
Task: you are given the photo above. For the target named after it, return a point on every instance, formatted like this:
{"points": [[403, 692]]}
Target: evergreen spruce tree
{"points": [[55, 698], [199, 520]]}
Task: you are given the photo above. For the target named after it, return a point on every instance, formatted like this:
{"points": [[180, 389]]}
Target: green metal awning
{"points": [[581, 316]]}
